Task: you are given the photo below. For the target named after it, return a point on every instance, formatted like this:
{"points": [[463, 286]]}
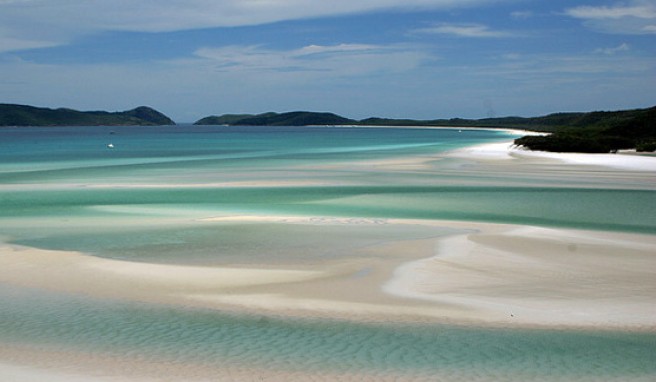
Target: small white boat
{"points": [[110, 146]]}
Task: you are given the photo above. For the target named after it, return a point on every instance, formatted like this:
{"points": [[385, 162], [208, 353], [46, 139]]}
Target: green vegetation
{"points": [[21, 115], [230, 119], [600, 132], [295, 118], [594, 132]]}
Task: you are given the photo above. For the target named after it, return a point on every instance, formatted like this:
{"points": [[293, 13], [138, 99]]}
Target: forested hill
{"points": [[547, 123], [295, 118], [21, 115], [599, 131]]}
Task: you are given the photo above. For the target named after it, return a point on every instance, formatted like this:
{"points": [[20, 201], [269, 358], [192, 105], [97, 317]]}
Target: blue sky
{"points": [[358, 58]]}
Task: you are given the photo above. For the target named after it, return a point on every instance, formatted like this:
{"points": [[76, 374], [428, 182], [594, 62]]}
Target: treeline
{"points": [[600, 132], [593, 132]]}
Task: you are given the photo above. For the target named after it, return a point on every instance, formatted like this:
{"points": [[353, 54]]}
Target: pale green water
{"points": [[179, 156], [211, 338], [53, 196]]}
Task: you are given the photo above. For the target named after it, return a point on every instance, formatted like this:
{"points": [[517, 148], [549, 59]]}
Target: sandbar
{"points": [[495, 274]]}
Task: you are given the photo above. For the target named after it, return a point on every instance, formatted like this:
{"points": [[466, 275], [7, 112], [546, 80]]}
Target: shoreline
{"points": [[511, 131], [507, 150]]}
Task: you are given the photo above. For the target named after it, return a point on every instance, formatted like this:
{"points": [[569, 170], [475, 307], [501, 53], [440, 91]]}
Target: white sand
{"points": [[502, 274], [493, 151], [540, 276], [18, 373], [506, 275], [507, 150], [77, 273], [624, 161]]}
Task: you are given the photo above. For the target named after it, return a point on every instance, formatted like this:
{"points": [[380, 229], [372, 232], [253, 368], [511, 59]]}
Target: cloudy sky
{"points": [[358, 58]]}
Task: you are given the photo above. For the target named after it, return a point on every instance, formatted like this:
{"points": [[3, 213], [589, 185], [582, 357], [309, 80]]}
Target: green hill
{"points": [[599, 131], [229, 119], [22, 115], [296, 118]]}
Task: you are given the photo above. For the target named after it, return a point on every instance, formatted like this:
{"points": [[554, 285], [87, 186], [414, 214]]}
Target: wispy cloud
{"points": [[63, 20], [341, 59], [464, 30], [635, 17], [8, 44], [521, 14], [344, 78], [336, 49], [624, 47], [571, 68], [643, 11]]}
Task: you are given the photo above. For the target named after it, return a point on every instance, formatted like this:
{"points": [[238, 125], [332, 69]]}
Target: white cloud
{"points": [[464, 30], [341, 78], [624, 47], [634, 17], [544, 68], [353, 80], [336, 49], [645, 11], [521, 14], [63, 20], [8, 44], [341, 60]]}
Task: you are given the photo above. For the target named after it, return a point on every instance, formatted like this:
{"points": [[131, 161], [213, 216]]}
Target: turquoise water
{"points": [[179, 336], [145, 200], [179, 156]]}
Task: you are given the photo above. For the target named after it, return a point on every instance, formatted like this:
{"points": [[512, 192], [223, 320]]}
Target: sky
{"points": [[422, 59]]}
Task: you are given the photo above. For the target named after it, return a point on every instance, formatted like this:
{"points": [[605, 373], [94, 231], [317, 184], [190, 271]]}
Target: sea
{"points": [[148, 194]]}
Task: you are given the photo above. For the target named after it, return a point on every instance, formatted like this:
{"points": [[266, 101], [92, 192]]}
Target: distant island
{"points": [[295, 118], [22, 115], [591, 132]]}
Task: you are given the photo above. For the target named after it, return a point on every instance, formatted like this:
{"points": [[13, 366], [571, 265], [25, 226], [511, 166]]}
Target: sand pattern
{"points": [[331, 269]]}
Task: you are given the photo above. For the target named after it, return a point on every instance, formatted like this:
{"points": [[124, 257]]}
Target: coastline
{"points": [[507, 150], [510, 131]]}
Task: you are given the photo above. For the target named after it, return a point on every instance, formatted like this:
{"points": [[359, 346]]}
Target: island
{"points": [[295, 118], [588, 132], [23, 115], [599, 132]]}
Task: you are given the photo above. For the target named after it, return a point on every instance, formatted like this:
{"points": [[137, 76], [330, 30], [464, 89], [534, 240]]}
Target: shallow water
{"points": [[148, 198], [72, 171], [215, 339]]}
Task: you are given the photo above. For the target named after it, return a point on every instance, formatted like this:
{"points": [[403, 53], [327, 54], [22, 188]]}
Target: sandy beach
{"points": [[507, 151]]}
